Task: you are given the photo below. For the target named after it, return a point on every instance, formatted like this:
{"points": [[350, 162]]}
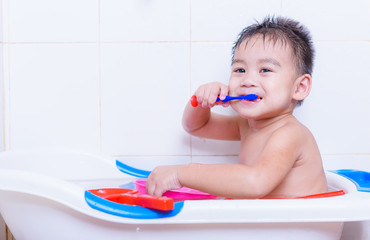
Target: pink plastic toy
{"points": [[183, 193]]}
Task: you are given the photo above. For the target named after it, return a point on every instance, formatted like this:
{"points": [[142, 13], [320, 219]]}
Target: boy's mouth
{"points": [[258, 99]]}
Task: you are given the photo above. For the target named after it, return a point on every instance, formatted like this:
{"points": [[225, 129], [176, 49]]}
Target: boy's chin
{"points": [[246, 113]]}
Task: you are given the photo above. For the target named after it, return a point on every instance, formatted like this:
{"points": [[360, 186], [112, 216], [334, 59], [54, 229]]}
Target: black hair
{"points": [[287, 31]]}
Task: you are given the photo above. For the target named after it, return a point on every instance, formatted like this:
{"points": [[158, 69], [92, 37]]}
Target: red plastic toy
{"points": [[324, 195], [131, 197]]}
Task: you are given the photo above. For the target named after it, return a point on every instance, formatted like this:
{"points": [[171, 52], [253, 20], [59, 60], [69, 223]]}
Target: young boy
{"points": [[278, 156]]}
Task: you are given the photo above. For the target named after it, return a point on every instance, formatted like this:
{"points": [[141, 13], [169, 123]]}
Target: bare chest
{"points": [[251, 148]]}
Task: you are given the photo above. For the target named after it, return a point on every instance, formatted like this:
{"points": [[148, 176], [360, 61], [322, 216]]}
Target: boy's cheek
{"points": [[231, 87], [232, 91]]}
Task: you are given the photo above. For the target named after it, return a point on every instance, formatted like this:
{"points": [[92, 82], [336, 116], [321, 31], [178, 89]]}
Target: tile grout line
{"points": [[7, 118], [100, 140], [7, 129], [2, 80]]}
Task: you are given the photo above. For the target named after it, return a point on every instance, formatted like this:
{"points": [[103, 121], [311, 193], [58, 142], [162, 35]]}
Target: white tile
{"points": [[53, 21], [54, 96], [4, 20], [210, 62], [337, 110], [1, 23], [332, 19], [6, 103], [220, 20], [140, 20], [145, 88], [2, 98], [355, 161]]}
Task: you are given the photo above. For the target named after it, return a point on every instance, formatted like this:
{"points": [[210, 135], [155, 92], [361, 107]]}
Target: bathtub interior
{"points": [[61, 178]]}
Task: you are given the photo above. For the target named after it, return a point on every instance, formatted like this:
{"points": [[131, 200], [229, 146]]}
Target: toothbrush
{"points": [[249, 97]]}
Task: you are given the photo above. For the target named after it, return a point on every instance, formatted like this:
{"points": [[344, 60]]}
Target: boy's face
{"points": [[265, 68]]}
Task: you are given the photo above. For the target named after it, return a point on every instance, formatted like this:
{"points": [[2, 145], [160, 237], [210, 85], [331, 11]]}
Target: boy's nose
{"points": [[248, 82]]}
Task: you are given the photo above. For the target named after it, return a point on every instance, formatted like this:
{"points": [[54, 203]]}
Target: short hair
{"points": [[287, 31]]}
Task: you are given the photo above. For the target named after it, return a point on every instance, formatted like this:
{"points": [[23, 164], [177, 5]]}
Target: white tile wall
{"points": [[220, 20], [337, 111], [54, 95], [150, 162], [114, 76], [344, 161], [53, 21], [1, 87], [143, 20], [1, 25], [144, 91], [1, 90], [5, 95], [332, 19], [210, 62], [1, 107]]}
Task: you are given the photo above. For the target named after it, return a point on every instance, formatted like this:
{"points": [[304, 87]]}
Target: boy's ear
{"points": [[302, 87]]}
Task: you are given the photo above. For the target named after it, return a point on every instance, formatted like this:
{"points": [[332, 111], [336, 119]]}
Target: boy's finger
{"points": [[199, 93], [223, 92], [213, 96]]}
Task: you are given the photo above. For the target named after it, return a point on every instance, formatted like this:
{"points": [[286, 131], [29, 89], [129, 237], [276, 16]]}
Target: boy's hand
{"points": [[162, 179], [207, 94]]}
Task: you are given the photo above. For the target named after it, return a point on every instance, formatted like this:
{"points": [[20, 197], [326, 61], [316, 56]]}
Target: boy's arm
{"points": [[201, 122], [234, 180]]}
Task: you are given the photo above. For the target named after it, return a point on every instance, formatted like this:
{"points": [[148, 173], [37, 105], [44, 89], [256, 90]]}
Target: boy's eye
{"points": [[265, 70], [240, 70]]}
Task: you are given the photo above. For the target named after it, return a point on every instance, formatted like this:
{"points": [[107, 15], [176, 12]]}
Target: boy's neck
{"points": [[257, 125]]}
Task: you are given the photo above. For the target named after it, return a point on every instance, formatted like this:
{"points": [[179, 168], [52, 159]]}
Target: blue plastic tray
{"points": [[129, 211], [131, 170], [360, 178]]}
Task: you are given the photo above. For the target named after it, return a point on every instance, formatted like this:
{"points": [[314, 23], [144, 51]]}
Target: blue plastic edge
{"points": [[129, 211], [132, 171], [360, 178]]}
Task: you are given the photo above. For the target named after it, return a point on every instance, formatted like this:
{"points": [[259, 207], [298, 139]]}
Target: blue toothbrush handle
{"points": [[249, 97], [227, 98]]}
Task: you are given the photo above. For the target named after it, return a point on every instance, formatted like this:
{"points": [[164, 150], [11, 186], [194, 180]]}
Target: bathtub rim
{"points": [[335, 209]]}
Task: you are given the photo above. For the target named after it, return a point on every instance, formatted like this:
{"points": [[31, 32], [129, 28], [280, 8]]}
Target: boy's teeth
{"points": [[258, 99]]}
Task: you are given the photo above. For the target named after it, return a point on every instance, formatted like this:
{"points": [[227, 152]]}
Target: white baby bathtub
{"points": [[42, 197]]}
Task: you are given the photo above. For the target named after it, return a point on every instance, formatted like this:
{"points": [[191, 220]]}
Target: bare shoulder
{"points": [[287, 146], [292, 130], [297, 145]]}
